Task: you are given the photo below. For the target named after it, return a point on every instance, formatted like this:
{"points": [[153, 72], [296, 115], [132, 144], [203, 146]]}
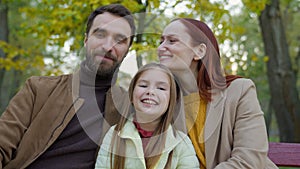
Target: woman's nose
{"points": [[161, 47]]}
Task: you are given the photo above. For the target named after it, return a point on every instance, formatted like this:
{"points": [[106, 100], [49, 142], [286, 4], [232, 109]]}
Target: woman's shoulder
{"points": [[241, 84], [241, 81], [241, 87]]}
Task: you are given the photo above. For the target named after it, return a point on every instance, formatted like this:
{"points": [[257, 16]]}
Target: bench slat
{"points": [[285, 154]]}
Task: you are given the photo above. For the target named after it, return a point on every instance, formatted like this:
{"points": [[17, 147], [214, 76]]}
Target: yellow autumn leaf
{"points": [[266, 58], [254, 58]]}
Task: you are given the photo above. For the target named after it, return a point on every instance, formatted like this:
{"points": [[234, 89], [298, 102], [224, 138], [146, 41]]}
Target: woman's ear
{"points": [[200, 51]]}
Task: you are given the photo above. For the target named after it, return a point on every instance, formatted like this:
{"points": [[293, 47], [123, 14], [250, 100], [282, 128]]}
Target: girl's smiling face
{"points": [[151, 96]]}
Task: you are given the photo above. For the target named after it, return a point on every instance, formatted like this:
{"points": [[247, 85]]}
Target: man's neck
{"points": [[91, 78]]}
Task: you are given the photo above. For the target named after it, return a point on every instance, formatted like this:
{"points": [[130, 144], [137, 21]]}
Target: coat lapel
{"points": [[214, 116], [72, 105], [75, 91]]}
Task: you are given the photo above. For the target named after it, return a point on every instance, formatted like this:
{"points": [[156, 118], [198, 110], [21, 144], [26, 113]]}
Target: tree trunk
{"points": [[3, 37], [282, 80], [140, 30]]}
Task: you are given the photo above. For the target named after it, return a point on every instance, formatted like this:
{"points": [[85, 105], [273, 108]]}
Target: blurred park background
{"points": [[258, 40]]}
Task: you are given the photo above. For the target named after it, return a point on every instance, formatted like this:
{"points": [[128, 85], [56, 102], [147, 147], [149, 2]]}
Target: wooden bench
{"points": [[285, 154]]}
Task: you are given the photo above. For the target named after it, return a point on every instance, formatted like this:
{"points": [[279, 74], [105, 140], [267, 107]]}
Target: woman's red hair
{"points": [[210, 72]]}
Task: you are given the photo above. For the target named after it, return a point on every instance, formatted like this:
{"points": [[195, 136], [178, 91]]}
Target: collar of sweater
{"points": [[90, 78]]}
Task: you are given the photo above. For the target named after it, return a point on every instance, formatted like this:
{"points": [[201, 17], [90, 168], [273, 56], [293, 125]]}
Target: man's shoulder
{"points": [[44, 82], [48, 79]]}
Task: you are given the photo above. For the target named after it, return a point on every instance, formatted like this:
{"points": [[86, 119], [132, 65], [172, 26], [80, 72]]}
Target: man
{"points": [[58, 122]]}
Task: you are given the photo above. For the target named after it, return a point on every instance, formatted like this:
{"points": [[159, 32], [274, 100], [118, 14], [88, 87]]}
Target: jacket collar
{"points": [[129, 131]]}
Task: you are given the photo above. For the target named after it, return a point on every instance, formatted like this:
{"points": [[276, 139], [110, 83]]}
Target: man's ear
{"points": [[200, 51]]}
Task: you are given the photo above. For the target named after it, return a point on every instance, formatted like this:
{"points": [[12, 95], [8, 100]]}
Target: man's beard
{"points": [[100, 68]]}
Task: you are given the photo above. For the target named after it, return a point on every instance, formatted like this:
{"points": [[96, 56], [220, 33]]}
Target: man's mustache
{"points": [[104, 54]]}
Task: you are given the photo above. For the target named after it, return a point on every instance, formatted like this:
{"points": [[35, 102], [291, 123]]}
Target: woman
{"points": [[146, 137], [223, 115]]}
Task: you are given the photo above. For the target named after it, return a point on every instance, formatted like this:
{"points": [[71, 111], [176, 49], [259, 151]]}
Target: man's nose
{"points": [[108, 44]]}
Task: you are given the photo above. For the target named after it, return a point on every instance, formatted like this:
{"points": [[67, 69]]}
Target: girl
{"points": [[145, 136], [223, 115]]}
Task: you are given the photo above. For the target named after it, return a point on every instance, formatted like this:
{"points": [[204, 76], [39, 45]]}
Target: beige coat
{"points": [[38, 114], [235, 133]]}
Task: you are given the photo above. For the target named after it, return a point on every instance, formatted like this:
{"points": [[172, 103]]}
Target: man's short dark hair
{"points": [[115, 9]]}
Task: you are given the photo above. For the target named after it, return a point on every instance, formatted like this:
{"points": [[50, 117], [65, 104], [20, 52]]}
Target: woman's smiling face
{"points": [[175, 50]]}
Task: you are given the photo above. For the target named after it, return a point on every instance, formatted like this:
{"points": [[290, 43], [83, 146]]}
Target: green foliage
{"points": [[150, 37], [255, 6], [18, 59], [133, 5], [216, 15], [54, 23]]}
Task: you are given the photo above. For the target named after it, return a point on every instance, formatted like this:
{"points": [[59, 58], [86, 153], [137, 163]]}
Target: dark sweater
{"points": [[76, 147]]}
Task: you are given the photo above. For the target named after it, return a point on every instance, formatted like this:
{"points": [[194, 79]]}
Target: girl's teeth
{"points": [[148, 101]]}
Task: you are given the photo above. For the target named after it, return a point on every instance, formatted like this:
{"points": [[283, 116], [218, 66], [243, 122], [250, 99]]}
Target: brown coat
{"points": [[235, 133], [38, 114]]}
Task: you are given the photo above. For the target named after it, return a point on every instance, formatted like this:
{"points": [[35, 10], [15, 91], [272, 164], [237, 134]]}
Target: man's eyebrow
{"points": [[121, 36], [98, 30]]}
